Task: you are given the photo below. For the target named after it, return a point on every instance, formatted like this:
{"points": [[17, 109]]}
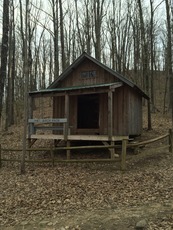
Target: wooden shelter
{"points": [[90, 102]]}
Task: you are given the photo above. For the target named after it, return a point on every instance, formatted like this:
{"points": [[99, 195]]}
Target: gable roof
{"points": [[84, 56]]}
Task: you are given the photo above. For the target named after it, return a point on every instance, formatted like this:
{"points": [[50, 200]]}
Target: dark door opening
{"points": [[88, 111]]}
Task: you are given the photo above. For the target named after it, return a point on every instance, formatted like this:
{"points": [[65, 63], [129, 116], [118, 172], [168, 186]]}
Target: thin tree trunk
{"points": [[26, 80], [63, 56], [9, 88], [56, 38], [50, 62], [169, 55], [98, 16], [4, 51], [144, 59], [152, 56], [43, 85]]}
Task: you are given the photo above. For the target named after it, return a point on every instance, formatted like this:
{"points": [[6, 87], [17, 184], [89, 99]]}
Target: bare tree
{"points": [[4, 51], [152, 54], [122, 34], [145, 59], [136, 53], [54, 5], [79, 30], [50, 62], [63, 55], [98, 14], [87, 27], [169, 55], [119, 25], [26, 80], [44, 63], [37, 59], [11, 71]]}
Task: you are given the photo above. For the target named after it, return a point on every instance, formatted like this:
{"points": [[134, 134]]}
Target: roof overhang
{"points": [[50, 91]]}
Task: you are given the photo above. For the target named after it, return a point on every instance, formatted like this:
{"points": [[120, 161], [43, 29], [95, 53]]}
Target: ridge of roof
{"points": [[84, 55]]}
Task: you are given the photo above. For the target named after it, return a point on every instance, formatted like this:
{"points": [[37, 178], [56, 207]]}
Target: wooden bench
{"points": [[35, 124], [59, 128]]}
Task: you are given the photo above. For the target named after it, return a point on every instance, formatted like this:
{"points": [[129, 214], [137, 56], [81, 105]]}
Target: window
{"points": [[88, 74]]}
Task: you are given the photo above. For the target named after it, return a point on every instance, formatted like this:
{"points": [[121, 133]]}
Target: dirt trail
{"points": [[124, 218]]}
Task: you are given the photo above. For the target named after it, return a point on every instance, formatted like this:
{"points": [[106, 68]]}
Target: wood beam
{"points": [[66, 125], [110, 114]]}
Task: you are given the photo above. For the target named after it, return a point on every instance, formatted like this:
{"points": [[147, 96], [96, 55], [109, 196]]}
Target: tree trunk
{"points": [[56, 38], [4, 51], [169, 55], [63, 56], [144, 59], [11, 72], [97, 18], [26, 80], [152, 56]]}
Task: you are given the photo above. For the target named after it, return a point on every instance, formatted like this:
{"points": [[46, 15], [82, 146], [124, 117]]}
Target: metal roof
{"points": [[54, 90]]}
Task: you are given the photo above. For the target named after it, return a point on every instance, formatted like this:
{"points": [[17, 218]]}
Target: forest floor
{"points": [[92, 196]]}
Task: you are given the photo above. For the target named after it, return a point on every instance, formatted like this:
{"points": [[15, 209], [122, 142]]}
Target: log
{"points": [[65, 161], [64, 148], [148, 141]]}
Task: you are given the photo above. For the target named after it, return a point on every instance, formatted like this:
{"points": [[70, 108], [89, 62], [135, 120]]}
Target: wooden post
{"points": [[110, 114], [68, 150], [30, 116], [149, 115], [66, 128], [123, 154], [112, 151], [170, 141], [31, 129], [0, 157]]}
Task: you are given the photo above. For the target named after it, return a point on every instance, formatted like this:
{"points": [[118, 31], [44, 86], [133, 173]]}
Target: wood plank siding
{"points": [[96, 100], [75, 78], [134, 113], [127, 113]]}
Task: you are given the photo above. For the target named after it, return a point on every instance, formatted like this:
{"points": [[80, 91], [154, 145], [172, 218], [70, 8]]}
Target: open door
{"points": [[88, 111]]}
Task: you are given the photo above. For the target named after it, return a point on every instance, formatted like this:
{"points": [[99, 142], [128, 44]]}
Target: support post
{"points": [[31, 129], [110, 114], [123, 154], [112, 151], [149, 115], [170, 141], [68, 150], [66, 128]]}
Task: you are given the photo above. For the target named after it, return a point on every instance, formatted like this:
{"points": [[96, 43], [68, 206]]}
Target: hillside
{"points": [[89, 196]]}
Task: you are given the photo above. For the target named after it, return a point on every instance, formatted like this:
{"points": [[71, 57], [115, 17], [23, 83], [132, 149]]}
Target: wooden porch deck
{"points": [[105, 139], [78, 137]]}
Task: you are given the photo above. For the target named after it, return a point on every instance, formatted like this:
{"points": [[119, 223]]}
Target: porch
{"points": [[48, 126]]}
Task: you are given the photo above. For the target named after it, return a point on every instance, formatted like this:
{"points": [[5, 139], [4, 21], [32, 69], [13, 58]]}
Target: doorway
{"points": [[88, 111]]}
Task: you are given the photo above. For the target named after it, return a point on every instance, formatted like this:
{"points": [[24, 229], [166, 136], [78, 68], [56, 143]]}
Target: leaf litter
{"points": [[88, 195]]}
